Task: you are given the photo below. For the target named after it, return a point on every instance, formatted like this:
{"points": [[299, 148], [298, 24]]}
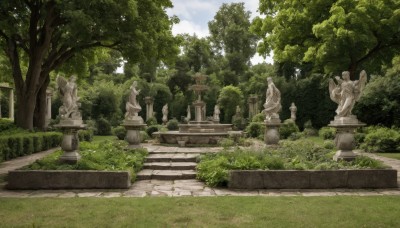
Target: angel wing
{"points": [[332, 91], [360, 85], [61, 84]]}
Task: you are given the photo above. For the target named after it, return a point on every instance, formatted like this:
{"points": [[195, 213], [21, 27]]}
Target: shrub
{"points": [[151, 121], [172, 125], [260, 117], [255, 129], [27, 143], [327, 133], [85, 135], [382, 140], [120, 132], [91, 125], [296, 136], [103, 127], [328, 144], [6, 124], [226, 142], [287, 128], [151, 129], [144, 136], [239, 123]]}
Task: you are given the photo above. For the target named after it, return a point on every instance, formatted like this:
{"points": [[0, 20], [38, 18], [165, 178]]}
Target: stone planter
{"points": [[310, 179], [68, 179]]}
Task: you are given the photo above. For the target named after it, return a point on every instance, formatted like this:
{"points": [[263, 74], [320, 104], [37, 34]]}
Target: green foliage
{"points": [[228, 99], [6, 124], [292, 155], [111, 156], [151, 121], [120, 132], [172, 124], [288, 128], [382, 140], [255, 129], [327, 133], [24, 143], [103, 127], [85, 135], [329, 36], [381, 93], [328, 144], [151, 129], [105, 104], [260, 117], [144, 136]]}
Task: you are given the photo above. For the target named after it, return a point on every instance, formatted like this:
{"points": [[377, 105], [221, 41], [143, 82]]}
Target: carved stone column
{"points": [[149, 107], [11, 105], [49, 94], [253, 106]]}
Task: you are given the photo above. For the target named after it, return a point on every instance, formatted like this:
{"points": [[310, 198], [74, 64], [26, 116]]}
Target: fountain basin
{"points": [[172, 137]]}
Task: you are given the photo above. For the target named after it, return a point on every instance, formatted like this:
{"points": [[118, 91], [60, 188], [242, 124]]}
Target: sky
{"points": [[194, 16]]}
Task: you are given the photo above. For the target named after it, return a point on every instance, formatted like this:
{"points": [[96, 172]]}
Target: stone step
{"points": [[149, 174], [172, 157], [170, 165]]}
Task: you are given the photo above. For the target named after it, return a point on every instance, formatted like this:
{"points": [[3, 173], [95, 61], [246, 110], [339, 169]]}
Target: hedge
{"points": [[21, 144]]}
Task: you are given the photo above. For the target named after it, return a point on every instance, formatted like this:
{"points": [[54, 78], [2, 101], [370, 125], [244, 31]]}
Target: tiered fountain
{"points": [[199, 131]]}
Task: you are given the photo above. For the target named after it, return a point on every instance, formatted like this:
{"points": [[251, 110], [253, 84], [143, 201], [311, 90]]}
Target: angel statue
{"points": [[273, 101], [69, 97], [165, 113], [346, 92], [132, 106]]}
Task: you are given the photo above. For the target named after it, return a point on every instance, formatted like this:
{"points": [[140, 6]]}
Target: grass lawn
{"points": [[390, 155], [339, 211], [100, 138]]}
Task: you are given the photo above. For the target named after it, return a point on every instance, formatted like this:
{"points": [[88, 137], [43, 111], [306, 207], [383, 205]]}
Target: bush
{"points": [[21, 144], [151, 129], [120, 132], [103, 127], [328, 144], [260, 117], [239, 123], [296, 136], [85, 135], [144, 136], [287, 128], [382, 140], [255, 129], [151, 121], [327, 133], [6, 124], [172, 125]]}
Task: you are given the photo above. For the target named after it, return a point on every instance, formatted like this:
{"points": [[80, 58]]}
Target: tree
{"points": [[230, 35], [228, 99], [333, 35], [47, 33]]}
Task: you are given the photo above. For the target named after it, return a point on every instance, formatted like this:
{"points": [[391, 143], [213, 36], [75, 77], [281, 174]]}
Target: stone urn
{"points": [[70, 141], [133, 128]]}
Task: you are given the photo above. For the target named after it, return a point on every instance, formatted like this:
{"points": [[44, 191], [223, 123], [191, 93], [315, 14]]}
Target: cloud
{"points": [[191, 28], [256, 59]]}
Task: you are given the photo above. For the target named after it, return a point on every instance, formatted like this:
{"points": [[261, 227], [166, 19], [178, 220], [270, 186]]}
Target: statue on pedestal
{"points": [[273, 101], [69, 96], [165, 114], [346, 92], [216, 113], [293, 110], [132, 106]]}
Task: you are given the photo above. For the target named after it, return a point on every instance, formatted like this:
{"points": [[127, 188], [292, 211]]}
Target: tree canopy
{"points": [[46, 33], [332, 35]]}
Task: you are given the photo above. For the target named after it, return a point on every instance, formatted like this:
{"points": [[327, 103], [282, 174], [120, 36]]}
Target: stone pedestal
{"points": [[271, 135], [70, 141], [344, 140], [198, 107], [133, 128]]}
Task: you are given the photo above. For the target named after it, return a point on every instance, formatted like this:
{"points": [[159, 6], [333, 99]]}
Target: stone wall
{"points": [[293, 179]]}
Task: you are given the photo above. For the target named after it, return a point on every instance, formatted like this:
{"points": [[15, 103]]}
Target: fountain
{"points": [[200, 130]]}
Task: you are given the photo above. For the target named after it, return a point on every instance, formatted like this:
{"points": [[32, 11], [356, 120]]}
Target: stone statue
{"points": [[273, 101], [132, 106], [165, 113], [69, 97], [216, 113], [293, 110], [188, 115], [346, 92]]}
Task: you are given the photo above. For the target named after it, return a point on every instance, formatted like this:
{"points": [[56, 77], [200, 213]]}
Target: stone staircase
{"points": [[171, 163]]}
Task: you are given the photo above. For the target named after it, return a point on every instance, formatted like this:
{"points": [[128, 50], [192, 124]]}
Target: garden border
{"points": [[68, 179], [312, 179]]}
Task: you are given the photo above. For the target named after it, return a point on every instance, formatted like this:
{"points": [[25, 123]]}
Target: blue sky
{"points": [[194, 16]]}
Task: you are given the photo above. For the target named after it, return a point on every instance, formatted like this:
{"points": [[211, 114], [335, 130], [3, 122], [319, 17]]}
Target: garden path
{"points": [[153, 185]]}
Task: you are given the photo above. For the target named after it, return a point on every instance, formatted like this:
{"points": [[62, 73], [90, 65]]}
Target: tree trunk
{"points": [[25, 109], [352, 69], [39, 117]]}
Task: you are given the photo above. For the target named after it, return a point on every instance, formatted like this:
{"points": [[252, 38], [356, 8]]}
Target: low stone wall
{"points": [[68, 179], [172, 137], [293, 179]]}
